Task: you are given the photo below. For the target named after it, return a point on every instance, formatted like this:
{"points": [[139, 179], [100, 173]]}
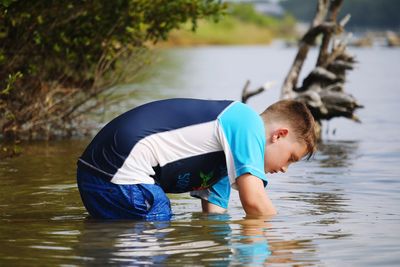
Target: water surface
{"points": [[340, 208]]}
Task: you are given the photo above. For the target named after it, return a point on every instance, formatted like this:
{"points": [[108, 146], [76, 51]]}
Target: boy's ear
{"points": [[279, 133]]}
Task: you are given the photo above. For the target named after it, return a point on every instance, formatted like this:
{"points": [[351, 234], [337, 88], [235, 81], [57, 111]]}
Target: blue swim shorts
{"points": [[105, 200]]}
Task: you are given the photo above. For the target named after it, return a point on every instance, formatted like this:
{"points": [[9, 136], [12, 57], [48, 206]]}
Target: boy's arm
{"points": [[211, 208], [255, 200], [215, 199]]}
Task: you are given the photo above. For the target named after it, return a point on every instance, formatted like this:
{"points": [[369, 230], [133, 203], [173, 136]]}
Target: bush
{"points": [[58, 56]]}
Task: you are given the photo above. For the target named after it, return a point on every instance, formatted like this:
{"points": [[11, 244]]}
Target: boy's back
{"points": [[176, 143]]}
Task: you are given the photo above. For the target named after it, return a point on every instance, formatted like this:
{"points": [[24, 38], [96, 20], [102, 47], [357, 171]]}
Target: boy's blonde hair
{"points": [[299, 118]]}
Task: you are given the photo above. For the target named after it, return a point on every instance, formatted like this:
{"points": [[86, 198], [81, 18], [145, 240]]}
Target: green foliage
{"points": [[241, 24], [246, 12], [6, 3], [75, 44], [12, 78], [10, 150], [51, 39]]}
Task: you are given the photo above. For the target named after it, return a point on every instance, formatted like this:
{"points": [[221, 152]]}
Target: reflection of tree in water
{"points": [[337, 154], [324, 203], [324, 187]]}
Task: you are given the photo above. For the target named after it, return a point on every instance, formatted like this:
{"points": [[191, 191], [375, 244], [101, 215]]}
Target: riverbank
{"points": [[239, 27], [227, 32], [376, 38]]}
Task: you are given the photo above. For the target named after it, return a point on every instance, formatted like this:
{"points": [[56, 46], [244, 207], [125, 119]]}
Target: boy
{"points": [[190, 145]]}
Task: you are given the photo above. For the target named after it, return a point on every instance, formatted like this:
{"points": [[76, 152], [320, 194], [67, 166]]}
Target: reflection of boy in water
{"points": [[189, 145], [207, 239]]}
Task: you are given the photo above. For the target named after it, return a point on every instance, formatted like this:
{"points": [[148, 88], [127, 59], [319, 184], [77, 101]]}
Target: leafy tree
{"points": [[57, 57]]}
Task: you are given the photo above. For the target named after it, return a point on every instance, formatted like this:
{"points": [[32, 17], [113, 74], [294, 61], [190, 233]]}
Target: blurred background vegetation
{"points": [[241, 24], [366, 15]]}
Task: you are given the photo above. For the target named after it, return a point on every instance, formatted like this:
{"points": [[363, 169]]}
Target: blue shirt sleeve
{"points": [[243, 139], [218, 194]]}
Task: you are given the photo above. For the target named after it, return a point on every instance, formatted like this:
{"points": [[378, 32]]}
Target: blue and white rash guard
{"points": [[181, 144]]}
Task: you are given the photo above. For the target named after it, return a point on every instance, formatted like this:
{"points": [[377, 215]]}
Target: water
{"points": [[340, 208]]}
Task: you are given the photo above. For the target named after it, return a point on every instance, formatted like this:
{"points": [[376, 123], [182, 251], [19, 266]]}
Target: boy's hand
{"points": [[255, 200]]}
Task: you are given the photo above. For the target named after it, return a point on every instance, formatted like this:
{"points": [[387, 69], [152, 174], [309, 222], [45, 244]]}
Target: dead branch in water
{"points": [[323, 89], [246, 94]]}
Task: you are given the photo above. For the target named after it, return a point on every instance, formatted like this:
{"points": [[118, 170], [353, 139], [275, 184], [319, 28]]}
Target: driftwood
{"points": [[323, 89], [392, 39]]}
